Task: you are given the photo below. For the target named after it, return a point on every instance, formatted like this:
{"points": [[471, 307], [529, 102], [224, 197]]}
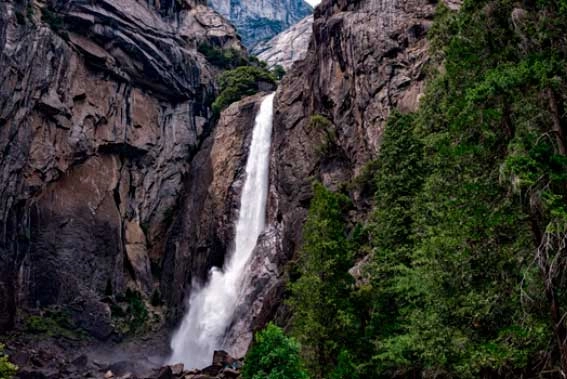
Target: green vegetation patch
{"points": [[238, 83], [222, 58], [278, 71], [7, 369], [327, 135], [273, 355], [467, 271], [53, 323], [130, 313]]}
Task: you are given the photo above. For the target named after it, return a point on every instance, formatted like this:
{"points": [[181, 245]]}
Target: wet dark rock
{"points": [[94, 317], [120, 368], [177, 369], [222, 358], [230, 373], [165, 373], [212, 370], [80, 361]]}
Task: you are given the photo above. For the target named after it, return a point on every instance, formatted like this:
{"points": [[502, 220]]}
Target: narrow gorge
{"points": [[280, 189]]}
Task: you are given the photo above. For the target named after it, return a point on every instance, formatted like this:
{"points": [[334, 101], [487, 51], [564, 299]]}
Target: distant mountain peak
{"points": [[258, 21]]}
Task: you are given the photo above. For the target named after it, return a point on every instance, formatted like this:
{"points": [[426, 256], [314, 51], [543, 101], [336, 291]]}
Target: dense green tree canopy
{"points": [[238, 83], [466, 272], [273, 355]]}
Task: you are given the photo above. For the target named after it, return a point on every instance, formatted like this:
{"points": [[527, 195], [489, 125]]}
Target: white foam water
{"points": [[212, 306]]}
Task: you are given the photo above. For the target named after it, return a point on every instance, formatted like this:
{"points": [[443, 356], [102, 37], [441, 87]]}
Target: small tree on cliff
{"points": [[273, 356]]}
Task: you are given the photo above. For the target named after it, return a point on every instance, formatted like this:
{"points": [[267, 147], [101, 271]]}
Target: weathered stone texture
{"points": [[102, 106]]}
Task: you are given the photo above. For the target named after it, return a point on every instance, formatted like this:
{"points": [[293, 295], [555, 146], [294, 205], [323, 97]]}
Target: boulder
{"points": [[222, 358], [177, 369], [230, 373], [165, 373], [211, 370]]}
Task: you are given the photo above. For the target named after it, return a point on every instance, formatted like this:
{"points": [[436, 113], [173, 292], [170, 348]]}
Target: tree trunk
{"points": [[556, 109]]}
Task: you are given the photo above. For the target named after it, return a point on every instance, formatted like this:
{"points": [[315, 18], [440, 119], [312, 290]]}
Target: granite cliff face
{"points": [[287, 47], [102, 106], [214, 182], [261, 20], [365, 59]]}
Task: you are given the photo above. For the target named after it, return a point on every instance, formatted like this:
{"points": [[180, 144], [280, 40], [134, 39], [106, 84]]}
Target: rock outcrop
{"points": [[366, 59], [287, 47], [261, 20], [102, 107]]}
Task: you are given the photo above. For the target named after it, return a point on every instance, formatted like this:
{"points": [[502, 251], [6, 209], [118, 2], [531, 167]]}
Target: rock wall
{"points": [[365, 59], [261, 20], [102, 107], [287, 47], [204, 231]]}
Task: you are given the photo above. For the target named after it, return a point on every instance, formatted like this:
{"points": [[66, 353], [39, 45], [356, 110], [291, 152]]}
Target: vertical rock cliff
{"points": [[365, 59], [102, 107], [261, 20]]}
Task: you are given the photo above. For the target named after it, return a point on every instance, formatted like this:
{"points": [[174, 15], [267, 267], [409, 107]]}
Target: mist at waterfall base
{"points": [[212, 306]]}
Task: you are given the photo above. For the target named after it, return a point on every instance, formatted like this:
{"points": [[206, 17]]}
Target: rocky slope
{"points": [[103, 105], [260, 20], [287, 47]]}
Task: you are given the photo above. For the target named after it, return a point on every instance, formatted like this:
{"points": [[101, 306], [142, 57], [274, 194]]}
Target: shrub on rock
{"points": [[7, 369]]}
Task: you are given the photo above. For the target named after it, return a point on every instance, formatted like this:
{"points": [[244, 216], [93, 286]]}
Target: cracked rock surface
{"points": [[257, 21], [103, 105], [287, 47]]}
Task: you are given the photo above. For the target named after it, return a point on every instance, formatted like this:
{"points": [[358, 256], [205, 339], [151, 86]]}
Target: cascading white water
{"points": [[212, 306]]}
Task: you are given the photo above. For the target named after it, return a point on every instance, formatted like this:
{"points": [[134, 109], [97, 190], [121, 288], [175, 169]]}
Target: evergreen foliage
{"points": [[53, 323], [222, 58], [278, 71], [238, 83], [324, 313], [130, 314], [466, 276], [273, 356], [7, 369]]}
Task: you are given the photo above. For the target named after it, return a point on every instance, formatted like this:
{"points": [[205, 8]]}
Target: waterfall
{"points": [[212, 306]]}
